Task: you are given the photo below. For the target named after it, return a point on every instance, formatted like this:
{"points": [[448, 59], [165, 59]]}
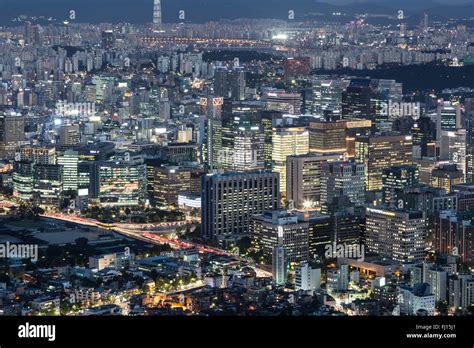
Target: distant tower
{"points": [[157, 12]]}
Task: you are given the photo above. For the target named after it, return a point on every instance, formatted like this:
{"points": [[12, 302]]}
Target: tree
{"points": [[442, 307]]}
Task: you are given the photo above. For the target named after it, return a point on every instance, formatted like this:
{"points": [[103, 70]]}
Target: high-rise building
{"points": [[48, 185], [453, 147], [12, 133], [230, 83], [320, 231], [303, 178], [356, 100], [327, 98], [448, 118], [394, 180], [287, 141], [307, 278], [445, 176], [343, 179], [279, 265], [23, 181], [379, 152], [327, 137], [269, 120], [157, 12], [69, 160], [38, 155], [279, 100], [280, 226], [454, 235], [122, 184], [396, 234], [230, 200]]}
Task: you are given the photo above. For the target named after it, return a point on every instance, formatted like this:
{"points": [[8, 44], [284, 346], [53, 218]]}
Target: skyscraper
{"points": [[380, 152], [396, 234], [230, 200], [157, 12], [287, 141], [303, 178], [343, 179]]}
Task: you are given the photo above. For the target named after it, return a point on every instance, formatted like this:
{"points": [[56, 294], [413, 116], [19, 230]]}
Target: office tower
{"points": [[448, 118], [337, 279], [307, 278], [23, 181], [281, 226], [69, 161], [356, 99], [279, 100], [454, 235], [445, 176], [461, 291], [343, 179], [185, 134], [248, 149], [48, 185], [279, 265], [421, 197], [438, 280], [419, 273], [269, 120], [416, 301], [303, 178], [425, 21], [453, 147], [424, 133], [379, 152], [394, 181], [38, 155], [403, 29], [327, 137], [238, 83], [211, 107], [229, 200], [287, 141], [69, 135], [108, 39], [157, 12], [230, 83], [327, 98], [320, 231], [299, 66], [346, 227], [122, 184], [88, 179], [212, 144], [12, 133], [242, 143], [168, 182], [396, 234]]}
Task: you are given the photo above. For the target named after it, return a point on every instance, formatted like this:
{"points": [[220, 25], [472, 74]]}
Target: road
{"points": [[151, 236]]}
